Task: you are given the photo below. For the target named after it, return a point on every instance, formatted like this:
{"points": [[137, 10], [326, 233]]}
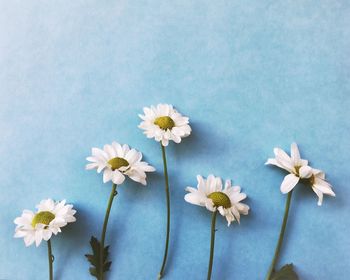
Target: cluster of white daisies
{"points": [[164, 124]]}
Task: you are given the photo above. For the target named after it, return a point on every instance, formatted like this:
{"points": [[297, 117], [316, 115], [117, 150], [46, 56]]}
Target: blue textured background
{"points": [[251, 75]]}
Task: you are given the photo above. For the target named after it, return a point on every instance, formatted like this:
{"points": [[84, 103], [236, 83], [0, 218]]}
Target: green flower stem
{"points": [[280, 239], [51, 258], [212, 243], [161, 272], [103, 236]]}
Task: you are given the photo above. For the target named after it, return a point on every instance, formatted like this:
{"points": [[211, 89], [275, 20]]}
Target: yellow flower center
{"points": [[44, 217], [220, 199], [164, 122], [297, 168], [117, 162]]}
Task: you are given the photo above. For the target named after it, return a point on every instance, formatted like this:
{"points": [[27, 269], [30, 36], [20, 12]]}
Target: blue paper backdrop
{"points": [[251, 75]]}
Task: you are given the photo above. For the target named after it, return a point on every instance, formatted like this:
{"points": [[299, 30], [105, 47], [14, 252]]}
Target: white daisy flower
{"points": [[116, 161], [48, 220], [164, 123], [320, 186], [300, 170], [297, 167], [227, 201]]}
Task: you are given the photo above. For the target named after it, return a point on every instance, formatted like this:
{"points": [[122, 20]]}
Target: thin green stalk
{"points": [[50, 257], [212, 243], [104, 229], [161, 272], [280, 239]]}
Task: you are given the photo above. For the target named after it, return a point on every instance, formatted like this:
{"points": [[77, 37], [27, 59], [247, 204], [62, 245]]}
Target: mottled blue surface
{"points": [[251, 75]]}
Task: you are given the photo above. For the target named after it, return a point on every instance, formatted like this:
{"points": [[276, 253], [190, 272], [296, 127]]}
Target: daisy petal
{"points": [[319, 194], [283, 159], [193, 198], [295, 155], [305, 172], [107, 175], [117, 177], [289, 183]]}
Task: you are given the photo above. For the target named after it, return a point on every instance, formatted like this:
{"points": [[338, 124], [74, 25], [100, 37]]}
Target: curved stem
{"points": [[50, 257], [104, 229], [212, 243], [161, 272], [280, 239]]}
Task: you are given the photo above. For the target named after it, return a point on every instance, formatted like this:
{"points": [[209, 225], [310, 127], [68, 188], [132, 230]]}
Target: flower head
{"points": [[116, 161], [297, 167], [164, 123], [299, 170], [48, 220], [210, 194]]}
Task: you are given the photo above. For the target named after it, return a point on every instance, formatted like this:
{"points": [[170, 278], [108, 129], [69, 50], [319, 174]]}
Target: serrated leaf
{"points": [[285, 273], [96, 269]]}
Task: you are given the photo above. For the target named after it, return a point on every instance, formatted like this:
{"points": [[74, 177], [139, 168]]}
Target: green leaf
{"points": [[96, 269], [285, 273]]}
